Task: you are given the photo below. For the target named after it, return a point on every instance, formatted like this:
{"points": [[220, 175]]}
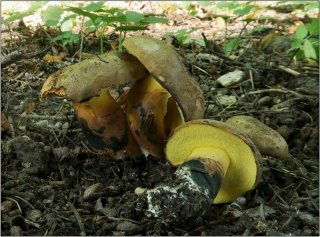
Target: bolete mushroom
{"points": [[104, 124], [89, 85], [165, 97], [216, 164], [152, 114], [228, 158], [165, 65], [268, 141]]}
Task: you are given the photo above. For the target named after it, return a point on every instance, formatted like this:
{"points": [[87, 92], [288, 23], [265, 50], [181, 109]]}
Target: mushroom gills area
{"points": [[152, 114], [190, 139], [104, 125]]}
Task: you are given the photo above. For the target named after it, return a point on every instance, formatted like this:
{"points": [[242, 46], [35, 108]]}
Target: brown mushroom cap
{"points": [[82, 81], [268, 141], [163, 62], [244, 170]]}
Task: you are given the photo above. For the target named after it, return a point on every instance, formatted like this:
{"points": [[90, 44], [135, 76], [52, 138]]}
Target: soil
{"points": [[53, 183]]}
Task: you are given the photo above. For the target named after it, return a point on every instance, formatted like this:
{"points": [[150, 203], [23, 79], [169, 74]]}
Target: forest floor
{"points": [[47, 166]]}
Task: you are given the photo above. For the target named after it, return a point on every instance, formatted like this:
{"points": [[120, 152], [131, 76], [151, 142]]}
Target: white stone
{"points": [[231, 78]]}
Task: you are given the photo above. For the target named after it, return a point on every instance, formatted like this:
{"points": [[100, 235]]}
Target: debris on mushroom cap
{"points": [[244, 170], [152, 114], [105, 126], [82, 81], [269, 141], [163, 62]]}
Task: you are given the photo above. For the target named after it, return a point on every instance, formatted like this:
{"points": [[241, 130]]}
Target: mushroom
{"points": [[268, 141], [82, 81], [152, 114], [165, 65], [227, 158], [104, 124], [93, 86], [164, 100], [161, 96], [216, 164]]}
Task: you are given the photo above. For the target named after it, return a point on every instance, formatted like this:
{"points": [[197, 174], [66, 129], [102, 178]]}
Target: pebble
{"points": [[34, 215], [92, 191], [226, 99], [42, 123], [16, 231], [128, 227], [231, 78], [65, 125], [307, 219], [58, 125], [6, 206], [139, 191], [210, 107], [204, 88]]}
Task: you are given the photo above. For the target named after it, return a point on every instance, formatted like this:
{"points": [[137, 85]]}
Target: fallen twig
{"points": [[289, 70], [78, 217]]}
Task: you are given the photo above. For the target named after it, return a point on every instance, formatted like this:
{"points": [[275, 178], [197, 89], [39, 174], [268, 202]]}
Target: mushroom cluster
{"points": [[145, 101], [128, 102]]}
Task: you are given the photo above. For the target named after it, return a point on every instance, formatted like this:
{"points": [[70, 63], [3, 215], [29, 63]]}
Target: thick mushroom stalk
{"points": [[152, 114], [216, 163]]}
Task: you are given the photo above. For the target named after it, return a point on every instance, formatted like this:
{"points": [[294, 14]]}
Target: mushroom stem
{"points": [[206, 168], [215, 159]]}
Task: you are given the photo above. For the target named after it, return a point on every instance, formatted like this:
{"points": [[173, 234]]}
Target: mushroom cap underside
{"points": [[163, 62], [244, 170], [152, 114]]}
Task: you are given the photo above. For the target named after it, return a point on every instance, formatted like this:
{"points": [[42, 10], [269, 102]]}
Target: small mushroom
{"points": [[222, 160], [152, 114], [89, 85], [268, 141], [165, 65]]}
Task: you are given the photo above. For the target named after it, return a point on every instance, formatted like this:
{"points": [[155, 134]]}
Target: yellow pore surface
{"points": [[242, 171]]}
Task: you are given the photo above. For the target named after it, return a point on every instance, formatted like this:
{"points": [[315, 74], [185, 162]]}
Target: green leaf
{"points": [[81, 12], [51, 16], [301, 32], [300, 55], [112, 10], [296, 43], [229, 47], [130, 28], [67, 38], [308, 50], [311, 5], [20, 15], [313, 27], [67, 25], [153, 20], [133, 16], [111, 19], [93, 7], [243, 10], [229, 5], [200, 42]]}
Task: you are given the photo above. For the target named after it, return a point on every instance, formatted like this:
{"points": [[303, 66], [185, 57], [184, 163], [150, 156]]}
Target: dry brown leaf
{"points": [[5, 125]]}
